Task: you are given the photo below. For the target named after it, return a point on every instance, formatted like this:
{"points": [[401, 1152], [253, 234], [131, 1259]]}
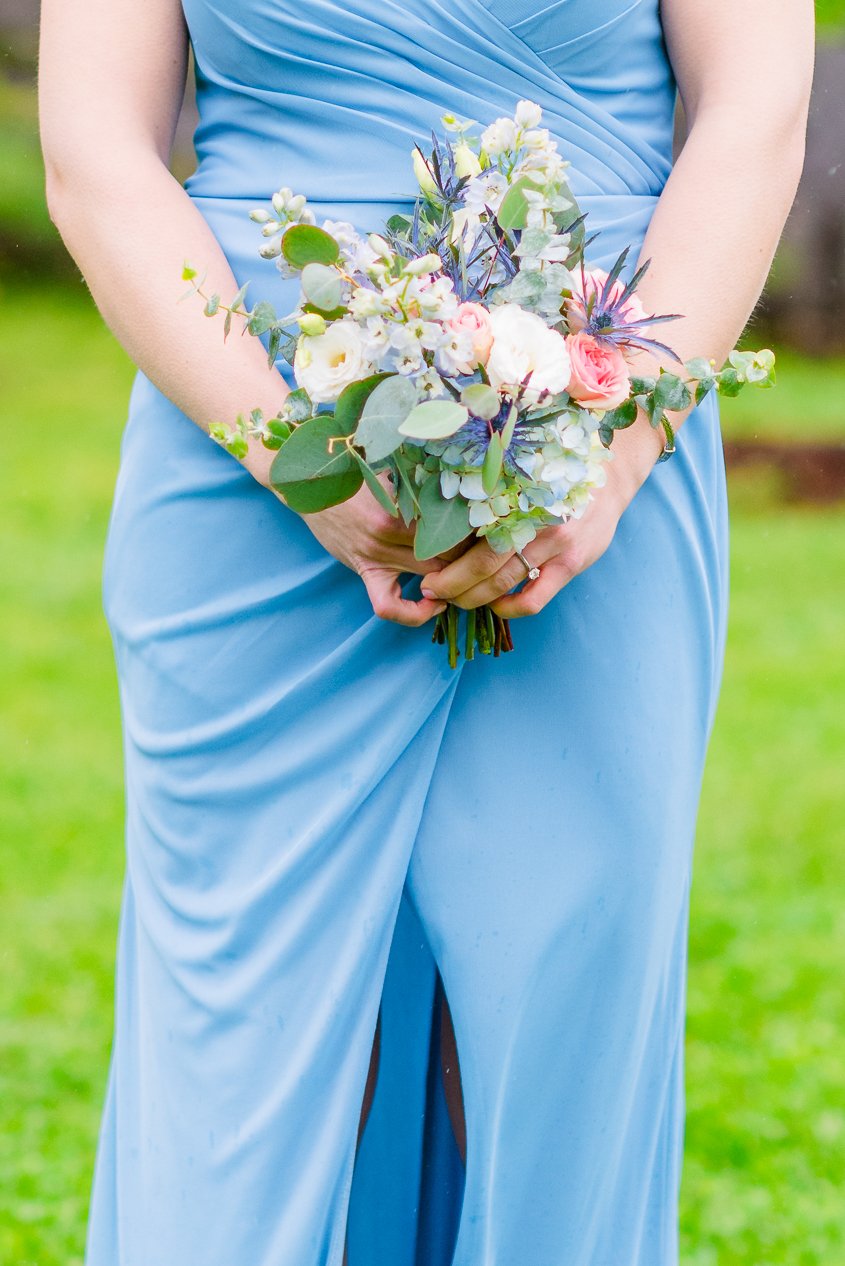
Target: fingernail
{"points": [[427, 593]]}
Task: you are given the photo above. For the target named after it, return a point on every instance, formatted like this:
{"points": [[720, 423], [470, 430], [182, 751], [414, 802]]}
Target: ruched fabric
{"points": [[325, 822]]}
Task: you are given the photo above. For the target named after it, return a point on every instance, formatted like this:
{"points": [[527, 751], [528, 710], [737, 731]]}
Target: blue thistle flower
{"points": [[606, 318]]}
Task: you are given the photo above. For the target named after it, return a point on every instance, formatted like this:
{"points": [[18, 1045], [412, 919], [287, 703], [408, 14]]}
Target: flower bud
{"points": [[422, 171], [312, 323], [260, 216], [379, 246], [425, 264], [466, 161], [281, 200]]}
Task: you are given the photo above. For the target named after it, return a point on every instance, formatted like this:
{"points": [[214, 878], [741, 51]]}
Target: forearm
{"points": [[710, 245], [130, 230]]}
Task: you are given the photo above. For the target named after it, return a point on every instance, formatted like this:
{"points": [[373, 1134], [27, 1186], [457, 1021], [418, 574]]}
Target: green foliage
{"points": [[434, 420], [312, 470], [444, 521], [305, 244], [385, 409], [513, 212], [765, 1140], [321, 286]]}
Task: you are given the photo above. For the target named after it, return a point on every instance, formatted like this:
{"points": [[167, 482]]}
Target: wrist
{"points": [[635, 452]]}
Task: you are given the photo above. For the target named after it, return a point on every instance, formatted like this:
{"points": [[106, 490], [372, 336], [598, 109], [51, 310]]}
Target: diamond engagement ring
{"points": [[533, 572]]}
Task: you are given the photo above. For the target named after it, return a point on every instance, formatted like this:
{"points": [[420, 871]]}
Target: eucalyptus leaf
{"points": [[620, 418], [306, 244], [671, 393], [330, 314], [492, 466], [642, 386], [513, 210], [443, 523], [699, 368], [376, 487], [482, 400], [321, 286], [729, 383], [310, 472], [434, 420], [351, 401], [298, 405], [386, 407], [238, 300], [262, 318]]}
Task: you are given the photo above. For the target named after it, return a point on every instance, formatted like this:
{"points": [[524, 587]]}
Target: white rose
{"points": [[326, 363], [523, 344]]}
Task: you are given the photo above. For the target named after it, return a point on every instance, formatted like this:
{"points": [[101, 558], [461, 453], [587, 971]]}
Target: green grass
{"points": [[765, 1162], [807, 403]]}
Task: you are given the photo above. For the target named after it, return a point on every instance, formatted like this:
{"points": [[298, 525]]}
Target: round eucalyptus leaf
{"points": [[311, 470], [482, 400], [321, 286], [386, 408], [434, 420], [306, 244]]}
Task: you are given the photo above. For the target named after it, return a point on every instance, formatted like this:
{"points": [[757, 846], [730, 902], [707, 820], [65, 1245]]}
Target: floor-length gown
{"points": [[304, 779]]}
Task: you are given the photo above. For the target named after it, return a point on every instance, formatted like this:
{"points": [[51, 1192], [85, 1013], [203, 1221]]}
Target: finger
{"points": [[536, 594], [388, 604], [512, 572], [479, 562]]}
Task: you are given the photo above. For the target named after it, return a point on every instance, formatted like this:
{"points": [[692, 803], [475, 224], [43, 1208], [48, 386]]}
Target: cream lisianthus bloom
{"points": [[523, 344], [466, 161], [422, 171], [326, 363]]}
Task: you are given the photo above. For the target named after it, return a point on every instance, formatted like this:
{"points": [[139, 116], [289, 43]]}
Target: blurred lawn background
{"points": [[764, 1181]]}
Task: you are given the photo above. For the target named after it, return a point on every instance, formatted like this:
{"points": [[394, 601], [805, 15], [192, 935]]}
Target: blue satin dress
{"points": [[325, 822]]}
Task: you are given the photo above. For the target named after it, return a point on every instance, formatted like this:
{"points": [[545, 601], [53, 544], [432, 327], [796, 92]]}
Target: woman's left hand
{"points": [[481, 576]]}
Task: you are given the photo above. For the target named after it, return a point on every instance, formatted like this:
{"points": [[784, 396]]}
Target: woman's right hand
{"points": [[369, 541], [365, 538]]}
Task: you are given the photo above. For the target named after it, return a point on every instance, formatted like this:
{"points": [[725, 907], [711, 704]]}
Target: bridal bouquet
{"points": [[465, 363]]}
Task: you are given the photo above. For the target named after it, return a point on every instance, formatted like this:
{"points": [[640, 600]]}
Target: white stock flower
{"points": [[326, 363], [527, 114], [365, 303], [499, 137], [435, 297], [523, 344], [466, 226], [454, 353]]}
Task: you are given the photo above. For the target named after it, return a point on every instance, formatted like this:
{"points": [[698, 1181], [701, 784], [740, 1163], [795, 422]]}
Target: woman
{"points": [[294, 757]]}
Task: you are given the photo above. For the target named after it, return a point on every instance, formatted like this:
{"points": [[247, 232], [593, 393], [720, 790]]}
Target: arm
{"points": [[112, 75], [744, 79]]}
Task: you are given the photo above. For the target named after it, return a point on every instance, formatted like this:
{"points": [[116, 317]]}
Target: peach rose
{"points": [[599, 373], [593, 284], [474, 319]]}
